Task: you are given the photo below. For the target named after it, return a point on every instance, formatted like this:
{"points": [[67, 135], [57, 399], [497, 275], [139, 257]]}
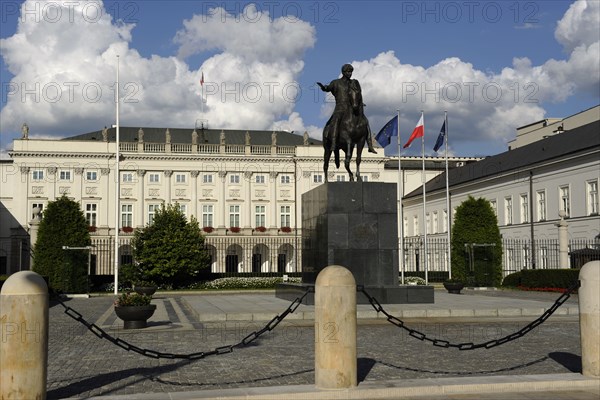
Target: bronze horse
{"points": [[353, 130]]}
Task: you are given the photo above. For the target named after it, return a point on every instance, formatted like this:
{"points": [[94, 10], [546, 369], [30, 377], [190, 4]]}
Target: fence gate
{"points": [[479, 259]]}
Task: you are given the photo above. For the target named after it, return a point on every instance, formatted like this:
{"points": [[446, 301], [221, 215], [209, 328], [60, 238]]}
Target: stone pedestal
{"points": [[354, 224]]}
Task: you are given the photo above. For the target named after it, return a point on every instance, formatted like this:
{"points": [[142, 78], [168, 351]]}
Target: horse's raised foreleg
{"points": [[349, 151], [359, 150], [326, 157]]}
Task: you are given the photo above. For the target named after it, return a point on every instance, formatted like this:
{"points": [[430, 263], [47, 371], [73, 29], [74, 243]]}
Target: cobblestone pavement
{"points": [[82, 365]]}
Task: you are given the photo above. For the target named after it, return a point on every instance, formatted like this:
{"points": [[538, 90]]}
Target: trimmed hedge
{"points": [[542, 278]]}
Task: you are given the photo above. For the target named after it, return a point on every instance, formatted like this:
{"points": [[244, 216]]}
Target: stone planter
{"points": [[454, 287], [135, 317], [147, 290]]}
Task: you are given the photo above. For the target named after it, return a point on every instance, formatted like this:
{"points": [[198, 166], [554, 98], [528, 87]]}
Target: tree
{"points": [[171, 249], [63, 224], [475, 223]]}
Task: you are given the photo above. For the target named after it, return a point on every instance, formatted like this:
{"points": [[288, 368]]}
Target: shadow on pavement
{"points": [[459, 373], [568, 360], [364, 366]]}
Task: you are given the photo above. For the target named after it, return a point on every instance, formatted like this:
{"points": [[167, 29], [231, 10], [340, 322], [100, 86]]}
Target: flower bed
{"points": [[235, 229], [246, 283], [208, 229]]}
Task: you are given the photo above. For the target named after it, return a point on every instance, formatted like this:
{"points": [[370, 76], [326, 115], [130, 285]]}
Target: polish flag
{"points": [[418, 132]]}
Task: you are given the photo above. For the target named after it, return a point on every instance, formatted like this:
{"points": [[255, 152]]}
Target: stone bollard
{"points": [[24, 337], [589, 318], [335, 329]]}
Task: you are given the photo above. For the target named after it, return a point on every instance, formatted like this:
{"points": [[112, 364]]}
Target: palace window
{"points": [[91, 176], [234, 216], [154, 177], [65, 175], [91, 215], [524, 208], [207, 215], [565, 200], [260, 215], [285, 216], [541, 205], [592, 197], [152, 209], [508, 211], [126, 215]]}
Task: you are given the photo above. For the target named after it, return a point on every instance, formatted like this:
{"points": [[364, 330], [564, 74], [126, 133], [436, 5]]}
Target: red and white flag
{"points": [[418, 132], [202, 80]]}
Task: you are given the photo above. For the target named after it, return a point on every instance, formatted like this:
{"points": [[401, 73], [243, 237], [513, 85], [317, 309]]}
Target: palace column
{"points": [[139, 209]]}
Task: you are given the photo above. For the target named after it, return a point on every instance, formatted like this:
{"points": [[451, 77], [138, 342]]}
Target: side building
{"points": [[551, 169]]}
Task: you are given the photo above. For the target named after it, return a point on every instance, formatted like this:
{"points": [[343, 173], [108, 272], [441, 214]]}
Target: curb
{"points": [[391, 389]]}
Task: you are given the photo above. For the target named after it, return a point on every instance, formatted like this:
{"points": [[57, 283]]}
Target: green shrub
{"points": [[432, 276], [543, 278], [132, 299]]}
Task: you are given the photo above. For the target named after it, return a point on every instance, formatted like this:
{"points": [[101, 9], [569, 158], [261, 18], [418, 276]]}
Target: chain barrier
{"points": [[469, 345], [102, 334]]}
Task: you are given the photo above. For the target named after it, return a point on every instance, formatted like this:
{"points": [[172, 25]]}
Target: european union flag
{"points": [[440, 139], [384, 137]]}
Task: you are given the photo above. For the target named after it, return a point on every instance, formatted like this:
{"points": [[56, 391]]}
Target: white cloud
{"points": [[65, 70], [579, 25], [483, 106], [251, 77]]}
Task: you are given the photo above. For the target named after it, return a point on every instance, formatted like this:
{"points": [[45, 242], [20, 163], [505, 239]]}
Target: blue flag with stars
{"points": [[440, 139], [384, 137]]}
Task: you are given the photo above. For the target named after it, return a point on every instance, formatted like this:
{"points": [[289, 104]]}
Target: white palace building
{"points": [[245, 188]]}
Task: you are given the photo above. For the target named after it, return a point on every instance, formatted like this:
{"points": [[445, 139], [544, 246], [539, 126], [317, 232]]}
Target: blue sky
{"points": [[494, 65]]}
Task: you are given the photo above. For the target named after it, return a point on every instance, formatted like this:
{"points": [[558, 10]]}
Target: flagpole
{"points": [[424, 201], [448, 198], [117, 189], [400, 208], [202, 95]]}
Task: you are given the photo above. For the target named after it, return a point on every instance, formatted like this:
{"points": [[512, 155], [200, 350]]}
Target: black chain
{"points": [[471, 346], [96, 330]]}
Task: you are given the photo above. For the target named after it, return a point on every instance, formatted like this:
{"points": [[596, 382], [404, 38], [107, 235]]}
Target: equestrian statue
{"points": [[348, 126]]}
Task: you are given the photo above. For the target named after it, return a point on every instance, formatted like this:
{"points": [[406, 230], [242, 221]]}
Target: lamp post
{"points": [[89, 250]]}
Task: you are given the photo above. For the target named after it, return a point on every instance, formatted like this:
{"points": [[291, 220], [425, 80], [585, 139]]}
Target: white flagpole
{"points": [[400, 208], [117, 189], [424, 201], [448, 198], [202, 94]]}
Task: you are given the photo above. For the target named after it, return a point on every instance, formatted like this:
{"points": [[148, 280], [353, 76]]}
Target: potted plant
{"points": [[286, 229], [208, 229], [145, 287], [134, 309], [261, 229], [454, 285], [235, 229], [127, 229]]}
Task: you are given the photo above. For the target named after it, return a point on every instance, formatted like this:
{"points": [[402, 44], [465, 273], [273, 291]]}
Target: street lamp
{"points": [[89, 250]]}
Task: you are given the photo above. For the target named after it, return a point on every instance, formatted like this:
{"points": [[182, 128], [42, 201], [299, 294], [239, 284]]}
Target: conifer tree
{"points": [[63, 224], [476, 223]]}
